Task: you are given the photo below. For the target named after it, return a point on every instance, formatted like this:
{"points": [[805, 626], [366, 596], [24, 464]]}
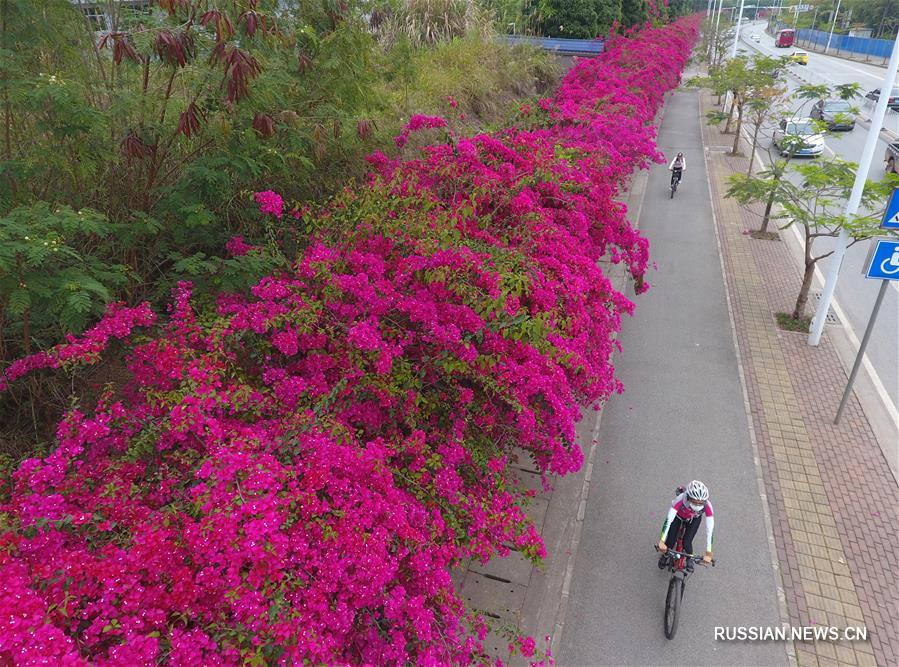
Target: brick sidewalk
{"points": [[832, 497]]}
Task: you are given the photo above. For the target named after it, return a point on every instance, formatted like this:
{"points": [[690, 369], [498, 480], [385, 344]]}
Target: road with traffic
{"points": [[855, 295]]}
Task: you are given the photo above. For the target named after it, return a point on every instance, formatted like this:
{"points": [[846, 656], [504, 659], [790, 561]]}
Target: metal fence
{"points": [[858, 48], [565, 47]]}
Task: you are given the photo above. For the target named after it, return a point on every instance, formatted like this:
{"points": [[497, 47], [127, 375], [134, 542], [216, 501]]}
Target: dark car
{"points": [[893, 102], [838, 114]]}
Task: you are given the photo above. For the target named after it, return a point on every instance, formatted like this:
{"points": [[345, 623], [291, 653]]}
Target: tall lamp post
{"points": [[737, 34], [717, 24], [832, 26]]}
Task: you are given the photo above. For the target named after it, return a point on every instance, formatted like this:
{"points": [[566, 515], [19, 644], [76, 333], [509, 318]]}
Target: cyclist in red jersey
{"points": [[688, 508]]}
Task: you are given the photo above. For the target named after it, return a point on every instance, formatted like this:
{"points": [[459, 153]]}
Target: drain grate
{"points": [[831, 316]]}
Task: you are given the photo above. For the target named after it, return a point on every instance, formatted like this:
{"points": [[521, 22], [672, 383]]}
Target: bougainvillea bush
{"points": [[291, 476]]}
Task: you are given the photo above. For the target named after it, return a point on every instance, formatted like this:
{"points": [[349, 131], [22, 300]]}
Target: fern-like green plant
{"points": [[54, 276]]}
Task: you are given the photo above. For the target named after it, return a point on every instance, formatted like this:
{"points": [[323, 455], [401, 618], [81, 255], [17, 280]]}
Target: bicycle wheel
{"points": [[672, 605], [673, 188]]}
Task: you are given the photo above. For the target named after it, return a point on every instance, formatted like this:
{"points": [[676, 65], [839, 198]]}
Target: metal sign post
{"points": [[883, 265]]}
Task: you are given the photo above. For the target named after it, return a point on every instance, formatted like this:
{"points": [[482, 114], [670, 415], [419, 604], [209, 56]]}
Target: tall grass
{"points": [[427, 22]]}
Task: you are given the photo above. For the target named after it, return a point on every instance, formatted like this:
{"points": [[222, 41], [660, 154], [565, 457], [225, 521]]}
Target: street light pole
{"points": [[836, 259], [737, 34], [713, 31], [832, 26], [717, 24]]}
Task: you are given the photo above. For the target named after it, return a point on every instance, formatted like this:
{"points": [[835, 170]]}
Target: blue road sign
{"points": [[891, 217], [884, 263]]}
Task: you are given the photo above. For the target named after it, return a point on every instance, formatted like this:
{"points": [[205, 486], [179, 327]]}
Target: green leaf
{"points": [[80, 302], [19, 301]]}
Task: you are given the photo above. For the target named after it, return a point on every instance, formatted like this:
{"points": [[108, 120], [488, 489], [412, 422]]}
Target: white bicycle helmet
{"points": [[697, 491]]}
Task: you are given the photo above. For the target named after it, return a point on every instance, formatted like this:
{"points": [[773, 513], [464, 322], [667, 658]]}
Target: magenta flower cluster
{"points": [[291, 478]]}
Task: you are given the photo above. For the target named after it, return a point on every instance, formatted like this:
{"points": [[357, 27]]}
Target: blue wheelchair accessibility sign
{"points": [[884, 262]]}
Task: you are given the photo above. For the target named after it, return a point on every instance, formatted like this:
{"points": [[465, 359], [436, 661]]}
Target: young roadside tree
{"points": [[767, 185], [816, 204], [747, 82], [722, 41], [744, 78], [765, 104]]}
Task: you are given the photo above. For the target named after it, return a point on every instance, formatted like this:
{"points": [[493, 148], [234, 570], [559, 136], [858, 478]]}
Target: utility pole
{"points": [[833, 269], [832, 26]]}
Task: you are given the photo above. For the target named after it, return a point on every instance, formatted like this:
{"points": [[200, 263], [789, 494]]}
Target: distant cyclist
{"points": [[677, 168], [688, 508]]}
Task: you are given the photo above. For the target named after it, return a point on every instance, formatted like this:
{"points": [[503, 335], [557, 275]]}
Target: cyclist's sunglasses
{"points": [[695, 501]]}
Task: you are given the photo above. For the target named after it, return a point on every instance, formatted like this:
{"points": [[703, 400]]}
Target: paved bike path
{"points": [[681, 417]]}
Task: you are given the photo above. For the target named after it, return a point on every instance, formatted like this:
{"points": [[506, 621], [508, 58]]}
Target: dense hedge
{"points": [[292, 477]]}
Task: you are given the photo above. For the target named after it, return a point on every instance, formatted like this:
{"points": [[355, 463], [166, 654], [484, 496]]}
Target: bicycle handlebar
{"points": [[693, 557]]}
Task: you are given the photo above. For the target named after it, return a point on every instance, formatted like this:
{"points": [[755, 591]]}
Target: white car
{"points": [[756, 37], [799, 136]]}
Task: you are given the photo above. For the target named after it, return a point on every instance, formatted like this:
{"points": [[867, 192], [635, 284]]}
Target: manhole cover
{"points": [[831, 316]]}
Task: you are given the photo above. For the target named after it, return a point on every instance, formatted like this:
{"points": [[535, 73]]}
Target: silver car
{"points": [[799, 137]]}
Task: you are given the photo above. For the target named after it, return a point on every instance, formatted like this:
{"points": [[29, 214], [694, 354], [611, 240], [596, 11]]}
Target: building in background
{"points": [[100, 12]]}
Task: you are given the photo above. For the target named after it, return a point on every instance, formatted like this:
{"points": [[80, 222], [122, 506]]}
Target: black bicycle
{"points": [[675, 179], [677, 566]]}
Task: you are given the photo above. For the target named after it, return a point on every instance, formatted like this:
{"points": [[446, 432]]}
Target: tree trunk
{"points": [[770, 203], [736, 148], [7, 109], [802, 299], [26, 331], [799, 310], [767, 217], [730, 115]]}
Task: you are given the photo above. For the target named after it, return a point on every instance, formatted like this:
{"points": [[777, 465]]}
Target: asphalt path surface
{"points": [[681, 417], [855, 294]]}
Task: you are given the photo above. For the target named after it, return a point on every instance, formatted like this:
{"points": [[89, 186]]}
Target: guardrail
{"points": [[565, 47]]}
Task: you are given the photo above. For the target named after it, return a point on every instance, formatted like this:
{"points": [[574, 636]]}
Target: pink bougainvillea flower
{"points": [[292, 476]]}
